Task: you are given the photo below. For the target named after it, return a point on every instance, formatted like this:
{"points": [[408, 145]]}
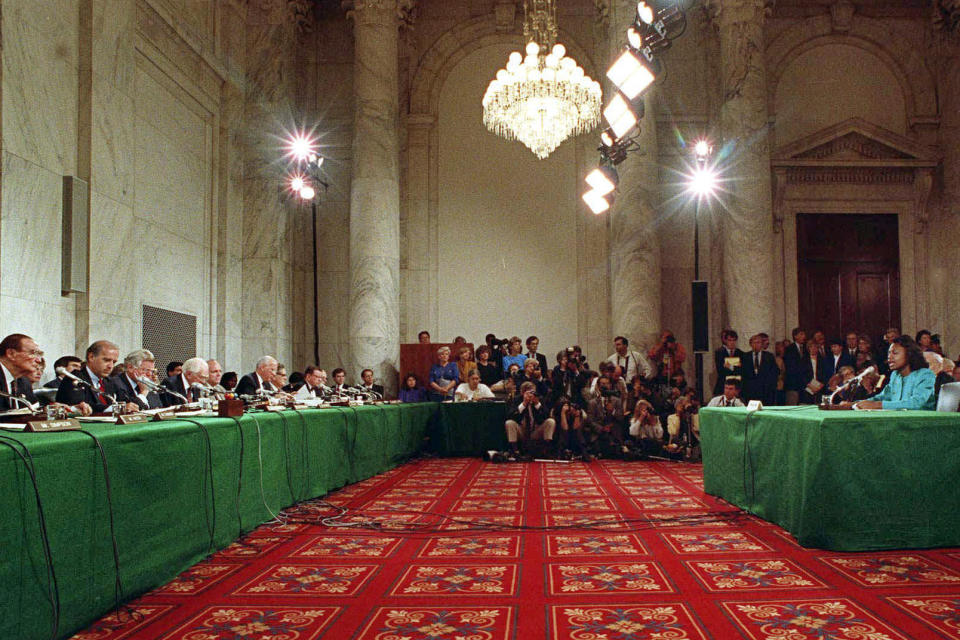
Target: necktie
{"points": [[103, 390], [756, 363]]}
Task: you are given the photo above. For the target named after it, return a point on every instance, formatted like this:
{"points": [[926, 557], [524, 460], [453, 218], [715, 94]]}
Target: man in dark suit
{"points": [[759, 374], [529, 420], [533, 343], [139, 363], [795, 378], [19, 358], [101, 357], [71, 363], [367, 377], [852, 339], [728, 360], [836, 357], [195, 371], [261, 378]]}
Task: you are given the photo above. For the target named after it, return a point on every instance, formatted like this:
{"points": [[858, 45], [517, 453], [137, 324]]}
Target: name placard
{"points": [[132, 418], [40, 426]]}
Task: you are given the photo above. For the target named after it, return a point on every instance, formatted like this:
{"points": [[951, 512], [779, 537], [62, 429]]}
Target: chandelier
{"points": [[545, 97]]}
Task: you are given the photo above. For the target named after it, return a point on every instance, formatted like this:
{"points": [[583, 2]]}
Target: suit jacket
{"points": [[795, 378], [829, 368], [249, 385], [542, 359], [175, 383], [809, 374], [53, 384], [127, 393], [722, 371], [760, 385], [377, 388], [539, 415], [72, 393]]}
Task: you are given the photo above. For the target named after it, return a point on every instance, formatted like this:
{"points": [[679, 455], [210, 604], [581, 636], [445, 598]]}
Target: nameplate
{"points": [[133, 418], [38, 426], [754, 405]]}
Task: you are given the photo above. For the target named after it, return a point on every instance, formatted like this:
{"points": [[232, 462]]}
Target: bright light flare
{"points": [[597, 203], [603, 180], [702, 182], [619, 116], [301, 147], [702, 149], [645, 13], [630, 74], [307, 192], [296, 184]]}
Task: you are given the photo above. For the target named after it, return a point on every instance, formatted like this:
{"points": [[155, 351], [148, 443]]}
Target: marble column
{"points": [[375, 195], [634, 251], [747, 224]]}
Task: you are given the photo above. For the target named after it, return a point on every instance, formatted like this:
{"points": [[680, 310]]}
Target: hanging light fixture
{"points": [[545, 97]]}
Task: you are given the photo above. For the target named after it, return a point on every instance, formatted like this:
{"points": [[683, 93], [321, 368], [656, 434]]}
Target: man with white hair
{"points": [[195, 370], [139, 363], [261, 379]]}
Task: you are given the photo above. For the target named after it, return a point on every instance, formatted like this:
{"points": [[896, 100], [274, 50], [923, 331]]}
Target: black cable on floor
{"points": [[53, 591], [239, 475], [211, 521]]}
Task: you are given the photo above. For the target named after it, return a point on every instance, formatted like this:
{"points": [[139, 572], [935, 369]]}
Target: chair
{"points": [[949, 397]]}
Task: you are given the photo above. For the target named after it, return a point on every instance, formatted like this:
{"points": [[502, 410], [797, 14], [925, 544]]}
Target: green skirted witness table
{"points": [[178, 490], [468, 428], [842, 480]]}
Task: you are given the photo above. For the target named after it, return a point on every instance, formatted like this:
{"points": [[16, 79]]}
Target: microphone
{"points": [[202, 388], [63, 372], [23, 401], [852, 382], [159, 388]]}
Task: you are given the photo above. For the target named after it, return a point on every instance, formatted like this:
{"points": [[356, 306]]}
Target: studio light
{"points": [[296, 184], [631, 74], [597, 203], [702, 150], [702, 182], [623, 115], [645, 13], [301, 147], [603, 179], [307, 192]]}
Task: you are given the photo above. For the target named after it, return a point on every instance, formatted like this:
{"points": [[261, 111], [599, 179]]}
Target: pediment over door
{"points": [[855, 153], [855, 143]]}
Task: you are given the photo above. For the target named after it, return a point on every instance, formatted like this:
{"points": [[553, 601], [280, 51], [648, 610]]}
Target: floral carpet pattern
{"points": [[444, 549]]}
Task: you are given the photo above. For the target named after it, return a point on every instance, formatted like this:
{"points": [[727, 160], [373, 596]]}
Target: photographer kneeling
{"points": [[529, 420]]}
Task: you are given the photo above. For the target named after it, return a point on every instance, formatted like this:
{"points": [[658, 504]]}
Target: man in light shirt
{"points": [[630, 362], [730, 396], [311, 388]]}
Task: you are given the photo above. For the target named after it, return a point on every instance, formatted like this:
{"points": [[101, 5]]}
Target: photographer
{"points": [[570, 440], [529, 420], [605, 417], [631, 362], [532, 373], [668, 356], [645, 428], [569, 378]]}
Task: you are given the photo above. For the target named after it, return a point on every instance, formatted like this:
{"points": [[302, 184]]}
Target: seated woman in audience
{"points": [[444, 376], [865, 352], [912, 383], [938, 364], [925, 340], [465, 363], [411, 391], [490, 373], [514, 354], [472, 389]]}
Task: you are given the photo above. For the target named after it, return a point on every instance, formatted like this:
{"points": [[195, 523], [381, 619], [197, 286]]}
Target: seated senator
{"points": [[911, 383]]}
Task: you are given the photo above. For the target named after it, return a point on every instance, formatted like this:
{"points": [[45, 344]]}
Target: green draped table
{"points": [[468, 428], [179, 490], [842, 480]]}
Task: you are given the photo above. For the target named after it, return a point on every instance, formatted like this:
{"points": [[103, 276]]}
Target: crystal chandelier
{"points": [[544, 98]]}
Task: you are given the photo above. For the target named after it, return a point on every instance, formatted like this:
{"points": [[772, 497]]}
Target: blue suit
{"points": [[916, 391]]}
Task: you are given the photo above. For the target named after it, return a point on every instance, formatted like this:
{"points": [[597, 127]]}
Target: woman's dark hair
{"points": [[407, 377], [482, 349], [921, 333], [229, 380], [914, 353]]}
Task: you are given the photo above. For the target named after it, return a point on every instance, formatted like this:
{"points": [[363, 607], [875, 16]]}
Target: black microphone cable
{"points": [[118, 582], [239, 475], [211, 521], [53, 591]]}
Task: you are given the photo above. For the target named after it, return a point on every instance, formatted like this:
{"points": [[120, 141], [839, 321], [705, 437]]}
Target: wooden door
{"points": [[848, 273]]}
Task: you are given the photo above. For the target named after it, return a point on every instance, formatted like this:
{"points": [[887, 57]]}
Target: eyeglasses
{"points": [[35, 353]]}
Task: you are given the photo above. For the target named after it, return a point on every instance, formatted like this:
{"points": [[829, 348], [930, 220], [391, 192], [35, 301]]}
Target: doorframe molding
{"points": [[855, 167]]}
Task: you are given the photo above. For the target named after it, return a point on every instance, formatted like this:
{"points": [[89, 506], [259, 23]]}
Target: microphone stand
{"points": [[23, 401]]}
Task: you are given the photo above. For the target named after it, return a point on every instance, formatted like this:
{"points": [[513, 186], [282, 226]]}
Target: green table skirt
{"points": [[179, 490], [468, 428], [842, 480]]}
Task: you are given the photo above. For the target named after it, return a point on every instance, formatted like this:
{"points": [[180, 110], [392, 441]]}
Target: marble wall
{"points": [[144, 100]]}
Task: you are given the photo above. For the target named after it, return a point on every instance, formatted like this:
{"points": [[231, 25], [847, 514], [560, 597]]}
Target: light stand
{"points": [[701, 183]]}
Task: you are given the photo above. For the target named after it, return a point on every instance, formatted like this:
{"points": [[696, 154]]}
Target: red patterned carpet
{"points": [[667, 562]]}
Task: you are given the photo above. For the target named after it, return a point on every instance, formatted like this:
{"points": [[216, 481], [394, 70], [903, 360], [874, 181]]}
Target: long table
{"points": [[179, 490], [842, 480]]}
